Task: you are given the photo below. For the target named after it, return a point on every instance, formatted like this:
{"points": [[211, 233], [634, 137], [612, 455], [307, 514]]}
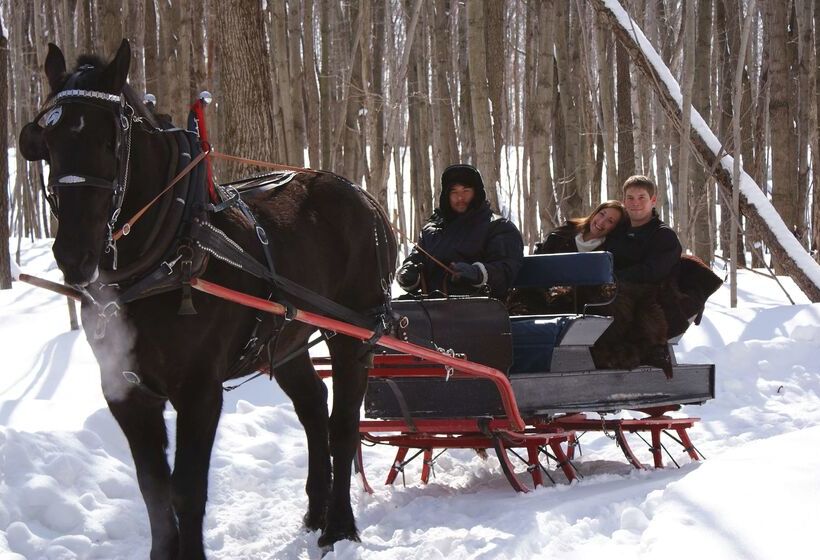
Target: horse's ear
{"points": [[116, 73], [32, 142], [55, 66]]}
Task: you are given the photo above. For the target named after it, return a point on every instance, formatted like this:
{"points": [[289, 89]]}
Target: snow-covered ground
{"points": [[67, 485]]}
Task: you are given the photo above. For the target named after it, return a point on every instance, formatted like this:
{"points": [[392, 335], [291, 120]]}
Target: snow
{"points": [[68, 489], [750, 189]]}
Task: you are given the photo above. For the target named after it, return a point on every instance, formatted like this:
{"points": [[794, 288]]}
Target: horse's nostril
{"points": [[78, 267]]}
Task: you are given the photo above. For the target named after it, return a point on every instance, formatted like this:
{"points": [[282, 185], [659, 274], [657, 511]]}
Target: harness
{"points": [[182, 253]]}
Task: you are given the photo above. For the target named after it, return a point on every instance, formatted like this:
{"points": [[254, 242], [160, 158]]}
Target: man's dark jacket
{"points": [[647, 254], [476, 236]]}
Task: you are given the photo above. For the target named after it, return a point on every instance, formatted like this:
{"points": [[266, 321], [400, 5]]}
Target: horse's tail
{"points": [[384, 234]]}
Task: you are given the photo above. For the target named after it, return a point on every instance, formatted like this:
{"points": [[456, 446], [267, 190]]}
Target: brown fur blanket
{"points": [[646, 316]]}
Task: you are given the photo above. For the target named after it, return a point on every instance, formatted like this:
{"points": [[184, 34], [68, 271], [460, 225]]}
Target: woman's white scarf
{"points": [[587, 246]]}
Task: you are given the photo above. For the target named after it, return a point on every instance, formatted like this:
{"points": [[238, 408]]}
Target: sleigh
{"points": [[461, 373]]}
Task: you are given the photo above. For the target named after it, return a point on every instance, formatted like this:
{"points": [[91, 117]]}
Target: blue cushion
{"points": [[533, 341], [565, 269]]}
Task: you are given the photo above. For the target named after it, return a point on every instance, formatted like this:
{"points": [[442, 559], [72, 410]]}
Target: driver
{"points": [[464, 249]]}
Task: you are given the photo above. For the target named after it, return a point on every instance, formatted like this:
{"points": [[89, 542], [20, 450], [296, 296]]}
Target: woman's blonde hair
{"points": [[583, 224]]}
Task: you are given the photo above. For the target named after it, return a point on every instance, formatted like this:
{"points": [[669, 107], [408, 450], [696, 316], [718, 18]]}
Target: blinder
{"points": [[32, 143]]}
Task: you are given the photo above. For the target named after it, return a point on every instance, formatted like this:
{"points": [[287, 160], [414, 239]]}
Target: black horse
{"points": [[156, 341]]}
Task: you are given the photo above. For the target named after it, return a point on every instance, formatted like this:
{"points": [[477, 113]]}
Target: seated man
{"points": [[463, 249], [647, 253]]}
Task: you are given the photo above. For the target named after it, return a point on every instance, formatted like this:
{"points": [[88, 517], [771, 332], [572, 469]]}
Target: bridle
{"points": [[125, 118]]}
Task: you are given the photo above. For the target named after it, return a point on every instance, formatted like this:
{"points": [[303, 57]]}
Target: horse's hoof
{"points": [[328, 538], [313, 521]]}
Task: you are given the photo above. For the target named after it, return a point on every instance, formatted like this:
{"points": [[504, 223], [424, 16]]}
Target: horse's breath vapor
{"points": [[117, 353]]}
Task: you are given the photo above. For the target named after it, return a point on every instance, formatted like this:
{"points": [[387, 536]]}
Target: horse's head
{"points": [[81, 134]]}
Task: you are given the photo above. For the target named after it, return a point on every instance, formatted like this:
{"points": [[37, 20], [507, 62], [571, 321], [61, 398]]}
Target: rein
{"points": [[421, 250], [126, 228], [258, 163]]}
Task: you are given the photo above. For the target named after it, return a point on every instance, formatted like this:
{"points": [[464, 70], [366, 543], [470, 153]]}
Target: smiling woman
{"points": [[580, 235]]}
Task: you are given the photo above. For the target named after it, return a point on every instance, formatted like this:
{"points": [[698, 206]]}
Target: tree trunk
{"points": [[199, 56], [446, 147], [607, 103], [530, 54], [31, 171], [702, 199], [783, 145], [418, 116], [480, 100], [353, 146], [591, 153], [313, 129], [184, 67], [540, 121], [365, 98], [66, 13], [815, 224], [683, 202], [135, 31], [282, 82], [772, 230], [465, 106], [296, 78], [246, 84], [85, 32], [174, 58], [658, 32], [569, 199], [807, 110], [726, 54], [326, 85], [494, 37], [761, 167], [110, 18], [729, 41], [151, 46], [5, 255], [736, 248], [378, 184], [398, 84], [623, 106]]}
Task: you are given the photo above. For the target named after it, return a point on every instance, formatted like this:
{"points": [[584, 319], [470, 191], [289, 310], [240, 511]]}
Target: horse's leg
{"points": [[308, 392], [349, 384], [198, 408], [141, 420]]}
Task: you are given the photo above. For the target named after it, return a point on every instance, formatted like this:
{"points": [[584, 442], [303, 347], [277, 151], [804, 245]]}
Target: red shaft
{"points": [[464, 366]]}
